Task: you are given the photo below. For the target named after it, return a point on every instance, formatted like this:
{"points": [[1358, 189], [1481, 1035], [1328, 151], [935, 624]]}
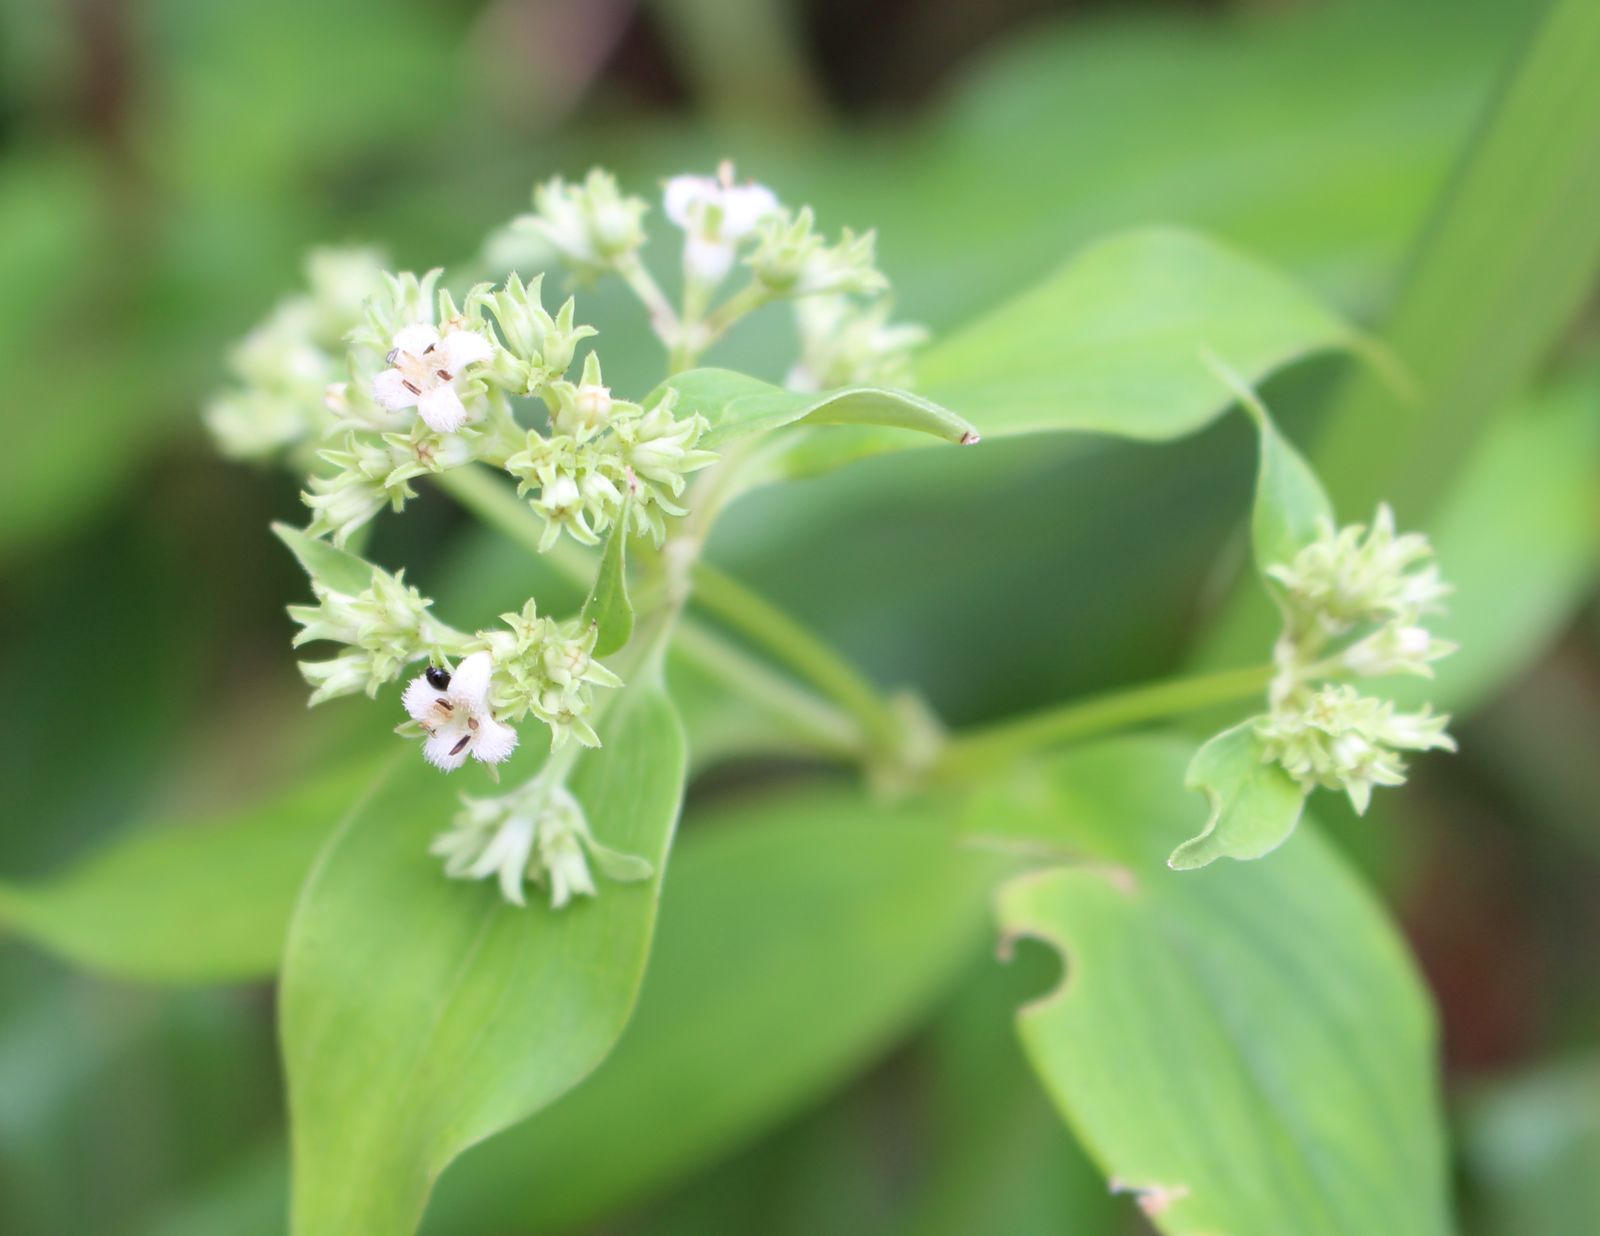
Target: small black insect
{"points": [[437, 678]]}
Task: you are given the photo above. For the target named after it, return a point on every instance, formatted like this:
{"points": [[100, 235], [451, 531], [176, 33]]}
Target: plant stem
{"points": [[769, 628], [663, 318], [821, 728], [981, 749]]}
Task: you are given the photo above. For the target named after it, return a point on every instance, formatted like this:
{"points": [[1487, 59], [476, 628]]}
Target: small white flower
{"points": [[424, 370], [453, 710], [717, 215], [539, 834]]}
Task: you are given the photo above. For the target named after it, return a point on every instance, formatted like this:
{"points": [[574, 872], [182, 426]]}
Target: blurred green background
{"points": [[163, 166]]}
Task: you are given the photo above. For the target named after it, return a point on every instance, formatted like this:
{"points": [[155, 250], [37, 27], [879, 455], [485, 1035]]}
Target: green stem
{"points": [[663, 318], [820, 727], [983, 748], [769, 628]]}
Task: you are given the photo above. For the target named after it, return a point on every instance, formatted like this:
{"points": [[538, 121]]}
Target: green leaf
{"points": [[420, 1015], [1291, 508], [738, 406], [1517, 223], [200, 903], [608, 606], [1521, 568], [799, 936], [1118, 340], [326, 563], [1254, 805], [1247, 1047], [1531, 1145]]}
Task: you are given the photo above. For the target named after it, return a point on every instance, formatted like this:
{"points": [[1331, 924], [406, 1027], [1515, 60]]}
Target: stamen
{"points": [[444, 375], [411, 386], [462, 745]]}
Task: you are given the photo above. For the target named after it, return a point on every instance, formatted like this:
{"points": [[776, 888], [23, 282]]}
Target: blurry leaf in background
{"points": [[1532, 1145], [207, 903], [1518, 539], [1118, 340], [1247, 1047], [420, 1015]]}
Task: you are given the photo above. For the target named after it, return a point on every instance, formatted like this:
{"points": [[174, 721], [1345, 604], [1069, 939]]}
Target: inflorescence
{"points": [[1354, 602], [370, 379]]}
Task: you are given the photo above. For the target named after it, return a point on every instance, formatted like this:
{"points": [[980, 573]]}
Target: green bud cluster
{"points": [[546, 668], [385, 627], [1354, 600], [603, 456]]}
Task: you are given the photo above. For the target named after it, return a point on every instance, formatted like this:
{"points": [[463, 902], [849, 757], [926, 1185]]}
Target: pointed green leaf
{"points": [[1248, 1048], [206, 902], [608, 606], [325, 562], [420, 1015], [738, 405], [1290, 504], [1254, 805], [1290, 507], [823, 921], [1117, 341]]}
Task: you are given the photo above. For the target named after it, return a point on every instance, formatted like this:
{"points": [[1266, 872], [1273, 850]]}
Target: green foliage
{"points": [[202, 903], [1246, 1047], [1290, 504], [421, 1015], [1519, 535], [738, 406], [799, 936], [1254, 805], [607, 605], [1518, 222], [326, 563], [1119, 341]]}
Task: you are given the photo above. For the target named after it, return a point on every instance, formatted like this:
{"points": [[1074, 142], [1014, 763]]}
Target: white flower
{"points": [[1340, 739], [424, 370], [717, 214], [537, 833], [453, 710], [592, 225], [1396, 648], [1354, 574]]}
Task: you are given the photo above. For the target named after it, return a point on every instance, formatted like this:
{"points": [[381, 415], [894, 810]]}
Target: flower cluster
{"points": [[1354, 601], [547, 668], [384, 627], [846, 343], [537, 833], [369, 379], [1337, 738], [603, 456], [282, 368]]}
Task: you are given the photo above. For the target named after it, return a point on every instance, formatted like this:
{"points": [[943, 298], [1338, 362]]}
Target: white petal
{"points": [[709, 261], [442, 409], [440, 749], [744, 206], [416, 338], [420, 697], [465, 347], [683, 194], [469, 685], [389, 388], [495, 742]]}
